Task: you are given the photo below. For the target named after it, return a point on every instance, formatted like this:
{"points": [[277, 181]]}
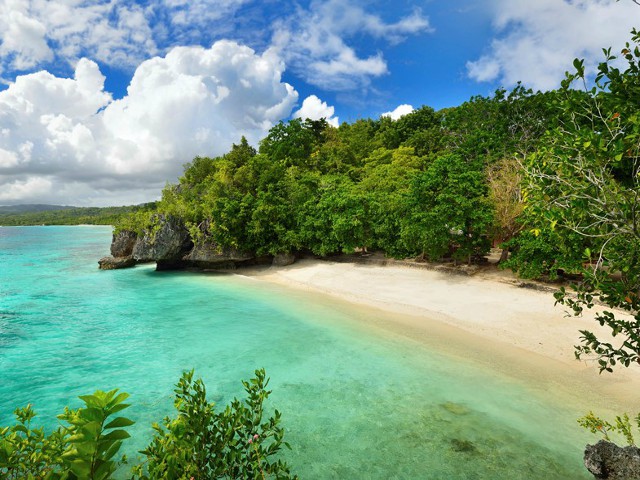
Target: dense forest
{"points": [[439, 185], [551, 177]]}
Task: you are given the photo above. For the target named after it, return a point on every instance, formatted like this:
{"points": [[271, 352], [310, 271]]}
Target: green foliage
{"points": [[138, 222], [234, 443], [292, 143], [584, 181], [27, 453], [237, 442], [449, 212], [545, 254], [94, 438], [416, 185], [621, 426], [84, 449]]}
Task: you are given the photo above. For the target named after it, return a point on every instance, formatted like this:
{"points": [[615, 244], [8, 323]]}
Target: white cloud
{"points": [[25, 190], [315, 42], [193, 101], [120, 33], [399, 111], [188, 13], [314, 109], [36, 32], [537, 41], [23, 41]]}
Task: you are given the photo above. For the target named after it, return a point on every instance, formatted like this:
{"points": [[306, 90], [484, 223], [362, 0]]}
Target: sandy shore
{"points": [[485, 317]]}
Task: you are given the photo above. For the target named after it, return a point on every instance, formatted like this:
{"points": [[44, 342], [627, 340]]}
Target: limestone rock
{"points": [[283, 259], [606, 460], [167, 243], [122, 243], [113, 263], [207, 254]]}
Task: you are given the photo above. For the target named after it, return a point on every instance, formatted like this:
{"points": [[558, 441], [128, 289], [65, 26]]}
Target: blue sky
{"points": [[102, 101]]}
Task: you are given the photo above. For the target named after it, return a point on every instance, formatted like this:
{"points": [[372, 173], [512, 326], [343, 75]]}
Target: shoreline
{"points": [[487, 319]]}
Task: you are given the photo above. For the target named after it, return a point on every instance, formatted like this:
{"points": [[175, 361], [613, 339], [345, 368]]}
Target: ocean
{"points": [[356, 402]]}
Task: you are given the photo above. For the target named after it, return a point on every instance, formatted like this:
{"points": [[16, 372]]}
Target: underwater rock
{"points": [[463, 446], [455, 408], [607, 460]]}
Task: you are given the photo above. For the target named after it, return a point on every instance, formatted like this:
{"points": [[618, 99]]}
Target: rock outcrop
{"points": [[283, 259], [208, 254], [113, 263], [169, 244], [166, 244], [606, 460], [122, 243]]}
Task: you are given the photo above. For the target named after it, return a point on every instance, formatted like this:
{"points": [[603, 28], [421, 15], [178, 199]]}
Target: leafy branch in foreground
{"points": [[622, 426], [81, 450], [585, 181], [199, 443]]}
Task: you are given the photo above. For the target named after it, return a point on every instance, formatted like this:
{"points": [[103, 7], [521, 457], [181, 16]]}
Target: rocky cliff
{"points": [[169, 244], [122, 245], [166, 244]]}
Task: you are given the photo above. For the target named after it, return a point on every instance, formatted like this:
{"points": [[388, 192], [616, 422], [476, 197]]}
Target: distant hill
{"points": [[32, 207], [65, 215]]}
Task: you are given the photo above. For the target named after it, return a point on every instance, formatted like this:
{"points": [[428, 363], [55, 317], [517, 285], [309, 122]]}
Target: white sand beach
{"points": [[486, 317]]}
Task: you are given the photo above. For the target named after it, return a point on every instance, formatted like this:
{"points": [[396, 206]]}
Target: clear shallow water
{"points": [[355, 405]]}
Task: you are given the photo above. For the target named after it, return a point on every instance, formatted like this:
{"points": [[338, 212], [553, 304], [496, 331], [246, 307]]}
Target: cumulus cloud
{"points": [[23, 38], [120, 33], [67, 137], [314, 109], [399, 111], [315, 42], [537, 41], [36, 32]]}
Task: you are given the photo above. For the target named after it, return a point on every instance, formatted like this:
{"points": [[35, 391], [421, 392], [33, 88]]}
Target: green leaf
{"points": [[121, 397], [112, 450], [119, 422], [117, 408], [92, 414], [104, 471], [116, 435]]}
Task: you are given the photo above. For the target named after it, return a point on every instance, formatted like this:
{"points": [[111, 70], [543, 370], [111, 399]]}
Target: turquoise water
{"points": [[355, 404]]}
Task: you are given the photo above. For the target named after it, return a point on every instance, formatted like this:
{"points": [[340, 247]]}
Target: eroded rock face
{"points": [[607, 460], [113, 263], [166, 244], [122, 243], [283, 259], [208, 254]]}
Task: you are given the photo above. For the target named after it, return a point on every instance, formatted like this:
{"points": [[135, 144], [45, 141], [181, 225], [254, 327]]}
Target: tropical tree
{"points": [[448, 210], [585, 180]]}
